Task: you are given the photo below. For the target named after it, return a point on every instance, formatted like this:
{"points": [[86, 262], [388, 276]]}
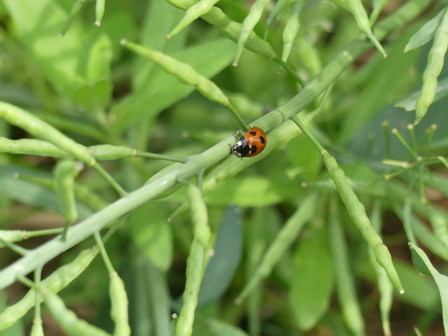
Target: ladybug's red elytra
{"points": [[251, 144]]}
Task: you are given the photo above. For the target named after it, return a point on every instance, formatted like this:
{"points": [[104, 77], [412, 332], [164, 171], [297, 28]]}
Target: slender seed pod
{"points": [[362, 20], [355, 208], [195, 271], [357, 213], [36, 127], [199, 215], [230, 28], [351, 310], [278, 7], [432, 71], [57, 281], [119, 306], [378, 6], [100, 152], [110, 152], [70, 323], [65, 173], [182, 71], [384, 284], [32, 147], [291, 29], [282, 241], [99, 11], [440, 226], [74, 11], [200, 8], [248, 25], [186, 74]]}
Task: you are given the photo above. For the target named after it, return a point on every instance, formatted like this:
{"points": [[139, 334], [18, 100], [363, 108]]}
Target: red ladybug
{"points": [[253, 143]]}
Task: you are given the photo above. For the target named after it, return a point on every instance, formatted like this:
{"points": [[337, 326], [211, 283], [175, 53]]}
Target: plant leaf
{"points": [[222, 266], [440, 280], [312, 281], [151, 233], [424, 34]]}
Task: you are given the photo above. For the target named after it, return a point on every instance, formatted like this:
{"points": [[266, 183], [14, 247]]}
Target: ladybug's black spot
{"points": [[253, 133], [262, 140], [253, 149]]}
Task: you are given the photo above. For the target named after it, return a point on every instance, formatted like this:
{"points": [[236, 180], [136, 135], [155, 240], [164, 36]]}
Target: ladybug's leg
{"points": [[238, 136]]}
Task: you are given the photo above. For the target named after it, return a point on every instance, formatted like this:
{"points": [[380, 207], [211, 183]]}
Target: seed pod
{"points": [[248, 25], [68, 320], [432, 71], [119, 306], [65, 173], [44, 131], [200, 8], [58, 280], [195, 271], [282, 241], [32, 147], [199, 215]]}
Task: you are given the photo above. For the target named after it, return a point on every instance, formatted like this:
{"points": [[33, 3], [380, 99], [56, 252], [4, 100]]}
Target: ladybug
{"points": [[251, 144]]}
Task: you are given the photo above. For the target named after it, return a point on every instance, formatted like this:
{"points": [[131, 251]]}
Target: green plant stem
{"points": [[109, 179], [197, 163]]}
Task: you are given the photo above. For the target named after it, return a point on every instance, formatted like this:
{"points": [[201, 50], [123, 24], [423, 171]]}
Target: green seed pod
{"points": [[199, 215], [357, 213], [248, 25], [362, 20], [57, 281], [282, 241], [291, 30], [184, 72], [110, 152], [200, 8], [37, 329], [119, 306], [71, 324], [32, 147], [99, 11], [432, 71], [344, 280], [278, 7], [230, 28], [44, 131], [440, 226], [195, 271], [65, 173]]}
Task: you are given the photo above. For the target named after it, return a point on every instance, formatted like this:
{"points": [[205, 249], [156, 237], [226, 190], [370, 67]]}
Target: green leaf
{"points": [[159, 19], [149, 302], [424, 34], [250, 191], [96, 89], [71, 65], [386, 77], [220, 328], [227, 253], [30, 193], [151, 233], [440, 280], [162, 90], [409, 102], [312, 281]]}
